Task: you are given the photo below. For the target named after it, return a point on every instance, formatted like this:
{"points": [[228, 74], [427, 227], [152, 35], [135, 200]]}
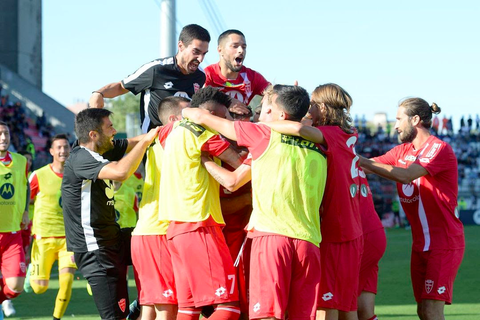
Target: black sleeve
{"points": [[86, 164], [118, 151], [141, 79]]}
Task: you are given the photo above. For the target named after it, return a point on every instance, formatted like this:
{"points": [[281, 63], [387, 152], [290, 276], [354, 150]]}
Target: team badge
{"points": [[408, 189], [122, 304], [23, 267], [196, 87], [428, 286]]}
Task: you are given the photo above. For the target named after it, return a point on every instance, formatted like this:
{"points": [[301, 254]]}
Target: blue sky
{"points": [[379, 51]]}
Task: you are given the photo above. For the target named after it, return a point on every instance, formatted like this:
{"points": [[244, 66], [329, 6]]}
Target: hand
{"points": [[150, 135], [238, 107], [96, 100], [194, 114], [25, 221]]}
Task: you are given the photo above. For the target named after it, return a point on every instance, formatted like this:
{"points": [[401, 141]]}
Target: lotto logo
{"points": [[7, 191], [220, 291], [168, 293], [256, 307], [441, 290], [428, 286], [168, 85], [327, 296]]}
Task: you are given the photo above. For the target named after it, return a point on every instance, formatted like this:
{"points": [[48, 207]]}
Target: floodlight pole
{"points": [[168, 45]]}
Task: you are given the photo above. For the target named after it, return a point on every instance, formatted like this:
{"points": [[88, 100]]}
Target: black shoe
{"points": [[134, 310]]}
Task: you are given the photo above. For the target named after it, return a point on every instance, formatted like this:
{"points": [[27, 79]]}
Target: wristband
{"points": [[98, 93]]}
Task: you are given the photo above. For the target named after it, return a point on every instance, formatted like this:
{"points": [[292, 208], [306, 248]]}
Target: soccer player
{"points": [[231, 76], [189, 199], [179, 75], [342, 241], [14, 201], [150, 255], [375, 243], [425, 169], [88, 206], [49, 242], [288, 179]]}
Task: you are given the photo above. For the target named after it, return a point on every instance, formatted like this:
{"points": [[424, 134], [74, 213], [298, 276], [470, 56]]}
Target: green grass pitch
{"points": [[394, 300]]}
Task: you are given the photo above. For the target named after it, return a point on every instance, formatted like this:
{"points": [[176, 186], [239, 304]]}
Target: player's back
{"points": [[340, 207]]}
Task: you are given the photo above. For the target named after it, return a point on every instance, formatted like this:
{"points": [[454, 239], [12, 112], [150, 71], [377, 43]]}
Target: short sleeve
{"points": [[215, 146], [87, 164], [260, 84], [440, 157], [254, 136], [141, 79], [34, 186]]}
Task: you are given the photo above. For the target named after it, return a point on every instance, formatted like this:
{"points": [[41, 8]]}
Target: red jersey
{"points": [[340, 210], [248, 83], [430, 201], [370, 219]]}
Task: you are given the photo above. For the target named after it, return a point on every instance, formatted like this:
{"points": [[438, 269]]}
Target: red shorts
{"points": [[235, 234], [12, 256], [340, 271], [203, 268], [375, 243], [433, 273], [27, 237], [284, 277], [152, 266]]}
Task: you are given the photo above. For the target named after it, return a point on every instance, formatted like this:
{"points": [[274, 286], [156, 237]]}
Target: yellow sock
{"points": [[64, 294]]}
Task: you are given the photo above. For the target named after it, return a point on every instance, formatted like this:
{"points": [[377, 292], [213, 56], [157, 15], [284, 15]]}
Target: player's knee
{"points": [[39, 287]]}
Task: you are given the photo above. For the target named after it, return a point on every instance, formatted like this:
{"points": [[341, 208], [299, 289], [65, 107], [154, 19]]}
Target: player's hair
{"points": [[89, 120], [294, 100], [170, 106], [225, 35], [337, 103], [193, 32], [420, 107], [210, 94], [60, 136], [3, 124]]}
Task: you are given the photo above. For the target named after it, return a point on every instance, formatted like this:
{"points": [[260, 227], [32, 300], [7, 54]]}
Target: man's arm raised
{"points": [[111, 90]]}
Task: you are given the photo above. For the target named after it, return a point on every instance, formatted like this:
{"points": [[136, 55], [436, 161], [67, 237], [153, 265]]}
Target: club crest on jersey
{"points": [[122, 304], [23, 267], [196, 87], [7, 190], [407, 189], [428, 286]]}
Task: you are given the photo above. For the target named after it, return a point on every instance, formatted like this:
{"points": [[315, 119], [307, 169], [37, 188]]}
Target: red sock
{"points": [[373, 318], [189, 313], [225, 313], [5, 292]]}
